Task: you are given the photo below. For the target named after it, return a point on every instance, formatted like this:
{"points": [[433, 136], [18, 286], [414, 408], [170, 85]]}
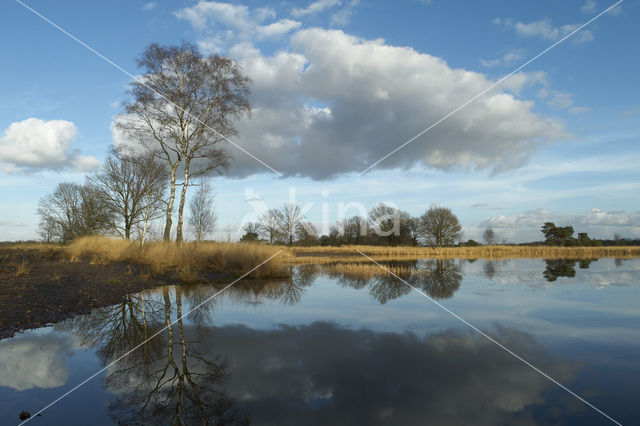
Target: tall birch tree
{"points": [[181, 109]]}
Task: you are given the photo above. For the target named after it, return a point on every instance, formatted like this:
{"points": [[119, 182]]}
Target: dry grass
{"points": [[187, 259], [350, 253], [22, 268], [192, 261]]}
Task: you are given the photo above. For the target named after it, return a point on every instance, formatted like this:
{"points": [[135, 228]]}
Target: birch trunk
{"points": [[183, 196], [172, 196]]}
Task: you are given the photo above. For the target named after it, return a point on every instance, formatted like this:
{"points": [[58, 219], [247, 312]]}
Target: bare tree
{"points": [[47, 229], [617, 238], [181, 109], [73, 211], [489, 236], [270, 226], [440, 227], [132, 190], [202, 218], [291, 219]]}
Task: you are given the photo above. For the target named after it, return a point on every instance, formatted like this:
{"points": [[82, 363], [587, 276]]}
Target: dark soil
{"points": [[53, 289]]}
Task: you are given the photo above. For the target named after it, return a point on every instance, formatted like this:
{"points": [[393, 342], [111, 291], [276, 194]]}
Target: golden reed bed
{"points": [[306, 255], [186, 259], [189, 258]]}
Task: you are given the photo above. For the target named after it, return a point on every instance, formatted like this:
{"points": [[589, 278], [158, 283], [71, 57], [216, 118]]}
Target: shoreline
{"points": [[42, 286], [53, 290]]}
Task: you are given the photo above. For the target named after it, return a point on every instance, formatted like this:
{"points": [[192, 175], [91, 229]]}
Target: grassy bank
{"points": [[190, 261]]}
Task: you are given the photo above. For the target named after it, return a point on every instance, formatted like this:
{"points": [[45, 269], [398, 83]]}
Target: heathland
{"points": [[45, 283]]}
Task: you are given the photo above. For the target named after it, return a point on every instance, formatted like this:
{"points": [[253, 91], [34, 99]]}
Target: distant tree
{"points": [[325, 240], [489, 236], [409, 229], [73, 211], [251, 233], [291, 219], [47, 229], [270, 223], [132, 189], [558, 235], [307, 234], [440, 227], [384, 221], [584, 240], [472, 243], [202, 218], [353, 230], [617, 239], [182, 107]]}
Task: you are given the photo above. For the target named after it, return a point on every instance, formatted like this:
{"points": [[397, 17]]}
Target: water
{"points": [[328, 349]]}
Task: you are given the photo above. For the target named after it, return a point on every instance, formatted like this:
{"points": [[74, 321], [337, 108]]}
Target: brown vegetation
{"points": [[328, 254], [365, 270], [187, 259]]}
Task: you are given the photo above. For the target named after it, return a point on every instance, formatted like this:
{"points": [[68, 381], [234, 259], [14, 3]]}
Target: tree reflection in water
{"points": [[168, 380], [438, 278], [310, 374], [441, 278], [564, 268], [172, 378], [489, 269]]}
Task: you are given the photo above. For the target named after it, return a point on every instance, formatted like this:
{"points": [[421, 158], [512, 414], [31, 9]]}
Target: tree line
{"points": [[384, 225]]}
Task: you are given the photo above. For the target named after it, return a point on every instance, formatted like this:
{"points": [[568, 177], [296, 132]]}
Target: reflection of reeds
{"points": [[365, 270], [328, 254], [186, 259]]}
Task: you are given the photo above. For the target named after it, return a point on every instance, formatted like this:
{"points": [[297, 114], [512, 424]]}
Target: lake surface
{"points": [[331, 349]]}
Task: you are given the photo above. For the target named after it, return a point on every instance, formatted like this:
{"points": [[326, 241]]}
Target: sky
{"points": [[336, 86]]}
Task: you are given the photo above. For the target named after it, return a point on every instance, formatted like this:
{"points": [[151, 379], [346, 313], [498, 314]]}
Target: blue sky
{"points": [[337, 85]]}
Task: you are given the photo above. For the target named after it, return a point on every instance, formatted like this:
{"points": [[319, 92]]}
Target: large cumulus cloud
{"points": [[335, 104], [329, 103]]}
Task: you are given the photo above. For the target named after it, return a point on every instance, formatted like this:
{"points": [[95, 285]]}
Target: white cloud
{"points": [[34, 362], [34, 144], [589, 6], [278, 28], [315, 7], [375, 97], [150, 5], [579, 110], [242, 23], [343, 16], [506, 60], [331, 103], [616, 11], [561, 100], [545, 30]]}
